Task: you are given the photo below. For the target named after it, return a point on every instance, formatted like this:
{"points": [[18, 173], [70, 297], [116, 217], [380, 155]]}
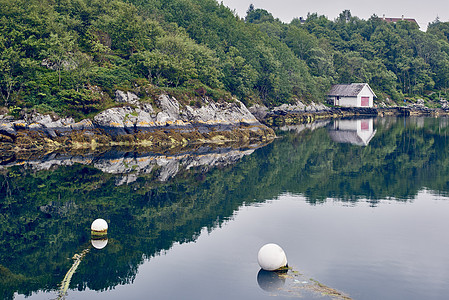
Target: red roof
{"points": [[394, 20]]}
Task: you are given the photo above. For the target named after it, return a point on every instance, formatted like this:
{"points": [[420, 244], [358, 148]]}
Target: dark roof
{"points": [[347, 90]]}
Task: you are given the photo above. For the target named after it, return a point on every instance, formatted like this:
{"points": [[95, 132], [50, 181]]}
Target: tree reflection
{"points": [[46, 212]]}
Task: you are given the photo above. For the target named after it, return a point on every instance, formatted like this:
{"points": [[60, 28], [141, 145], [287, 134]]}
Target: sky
{"points": [[422, 11]]}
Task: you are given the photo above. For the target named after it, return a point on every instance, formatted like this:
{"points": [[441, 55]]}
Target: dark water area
{"points": [[360, 206]]}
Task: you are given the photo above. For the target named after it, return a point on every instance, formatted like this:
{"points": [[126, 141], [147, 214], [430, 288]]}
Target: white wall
{"points": [[365, 92], [348, 101]]}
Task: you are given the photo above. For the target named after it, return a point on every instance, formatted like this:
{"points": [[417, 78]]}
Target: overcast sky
{"points": [[422, 11]]}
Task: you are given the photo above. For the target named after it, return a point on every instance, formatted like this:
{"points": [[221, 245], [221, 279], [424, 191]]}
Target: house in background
{"points": [[352, 95], [395, 20], [357, 132]]}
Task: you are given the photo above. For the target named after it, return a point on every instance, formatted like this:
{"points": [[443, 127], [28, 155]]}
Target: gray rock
{"points": [[259, 111], [170, 106], [298, 106], [128, 165], [283, 107], [310, 108], [163, 117], [225, 113], [222, 158], [321, 107], [145, 117], [39, 118], [126, 97], [83, 125], [49, 125], [120, 165], [36, 126], [127, 119], [301, 107], [20, 124], [113, 117], [8, 127], [6, 117]]}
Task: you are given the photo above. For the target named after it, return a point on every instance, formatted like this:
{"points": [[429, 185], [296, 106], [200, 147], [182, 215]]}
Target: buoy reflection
{"points": [[99, 243], [270, 281], [292, 284]]}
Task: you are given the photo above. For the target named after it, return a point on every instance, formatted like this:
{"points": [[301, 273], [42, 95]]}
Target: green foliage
{"points": [[176, 60], [81, 103], [110, 77], [171, 43], [258, 16]]}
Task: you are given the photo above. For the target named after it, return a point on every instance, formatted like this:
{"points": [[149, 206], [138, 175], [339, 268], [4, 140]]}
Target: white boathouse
{"points": [[352, 95]]}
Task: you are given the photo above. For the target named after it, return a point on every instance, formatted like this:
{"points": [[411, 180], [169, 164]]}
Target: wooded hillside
{"points": [[69, 56]]}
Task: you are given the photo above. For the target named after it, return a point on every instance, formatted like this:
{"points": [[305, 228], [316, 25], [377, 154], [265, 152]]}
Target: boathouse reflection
{"points": [[356, 131]]}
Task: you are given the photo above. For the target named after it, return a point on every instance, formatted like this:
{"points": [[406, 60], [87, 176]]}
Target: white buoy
{"points": [[99, 227], [271, 257], [99, 244]]}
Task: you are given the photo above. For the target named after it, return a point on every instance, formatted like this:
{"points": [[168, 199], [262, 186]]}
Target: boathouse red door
{"points": [[365, 101]]}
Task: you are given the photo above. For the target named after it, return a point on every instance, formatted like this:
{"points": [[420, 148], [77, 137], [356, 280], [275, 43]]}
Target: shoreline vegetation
{"points": [[169, 128], [81, 74], [292, 117]]}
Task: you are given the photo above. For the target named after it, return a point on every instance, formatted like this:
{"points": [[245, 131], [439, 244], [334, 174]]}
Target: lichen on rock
{"points": [[136, 123]]}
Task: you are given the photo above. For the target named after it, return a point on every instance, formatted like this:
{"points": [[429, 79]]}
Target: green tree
{"points": [[238, 76], [300, 41], [9, 78], [59, 53]]}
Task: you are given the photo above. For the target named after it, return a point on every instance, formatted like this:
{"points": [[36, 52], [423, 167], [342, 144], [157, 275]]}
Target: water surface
{"points": [[360, 206]]}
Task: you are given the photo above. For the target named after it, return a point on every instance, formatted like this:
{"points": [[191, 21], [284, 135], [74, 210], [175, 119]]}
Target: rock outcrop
{"points": [[300, 107], [142, 116], [164, 120]]}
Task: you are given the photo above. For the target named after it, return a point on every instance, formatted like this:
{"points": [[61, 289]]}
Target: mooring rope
{"points": [[66, 281]]}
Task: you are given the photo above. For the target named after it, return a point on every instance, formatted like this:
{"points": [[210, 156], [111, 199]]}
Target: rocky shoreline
{"points": [[166, 124], [161, 124], [300, 114]]}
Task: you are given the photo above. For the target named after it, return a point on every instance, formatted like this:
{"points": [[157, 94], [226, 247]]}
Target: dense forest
{"points": [[69, 56]]}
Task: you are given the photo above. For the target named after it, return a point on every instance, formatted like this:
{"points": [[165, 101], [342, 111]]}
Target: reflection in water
{"points": [[303, 127], [354, 131], [99, 243], [295, 284], [68, 276], [270, 281], [130, 164], [47, 204]]}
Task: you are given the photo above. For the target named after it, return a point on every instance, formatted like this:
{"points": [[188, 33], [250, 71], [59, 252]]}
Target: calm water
{"points": [[360, 206]]}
